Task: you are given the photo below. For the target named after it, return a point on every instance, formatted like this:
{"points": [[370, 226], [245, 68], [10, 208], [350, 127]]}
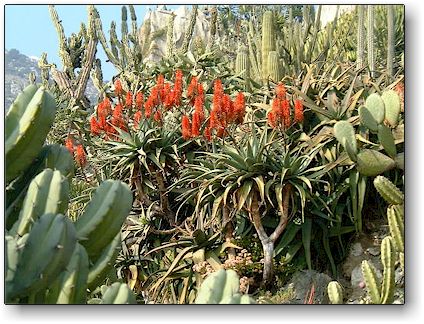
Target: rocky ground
{"points": [[366, 247]]}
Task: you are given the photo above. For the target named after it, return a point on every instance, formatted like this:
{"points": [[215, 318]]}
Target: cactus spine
{"points": [[268, 41], [370, 38], [335, 292], [360, 56]]}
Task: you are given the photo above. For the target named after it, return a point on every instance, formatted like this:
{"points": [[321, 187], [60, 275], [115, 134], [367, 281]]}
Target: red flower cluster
{"points": [[280, 115], [118, 87], [77, 151], [163, 95], [196, 96], [224, 111], [107, 117]]}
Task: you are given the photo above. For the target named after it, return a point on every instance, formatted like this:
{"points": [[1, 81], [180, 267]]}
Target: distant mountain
{"points": [[17, 69]]}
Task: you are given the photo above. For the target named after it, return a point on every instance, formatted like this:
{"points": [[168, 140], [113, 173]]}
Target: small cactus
{"points": [[381, 293], [222, 287], [335, 292]]}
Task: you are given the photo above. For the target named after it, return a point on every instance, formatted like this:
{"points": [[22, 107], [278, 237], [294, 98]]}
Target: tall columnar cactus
{"points": [[214, 23], [273, 67], [243, 66], [188, 35], [390, 39], [222, 287], [360, 55], [75, 55], [170, 36], [63, 48], [370, 40], [27, 123], [382, 293], [44, 68], [268, 41]]}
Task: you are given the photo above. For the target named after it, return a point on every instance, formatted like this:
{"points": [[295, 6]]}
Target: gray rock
{"points": [[303, 282], [356, 249]]}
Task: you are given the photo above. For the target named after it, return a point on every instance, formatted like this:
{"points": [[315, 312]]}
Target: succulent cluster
{"points": [[51, 259]]}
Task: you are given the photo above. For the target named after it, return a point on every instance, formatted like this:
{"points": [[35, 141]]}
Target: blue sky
{"points": [[29, 29]]}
